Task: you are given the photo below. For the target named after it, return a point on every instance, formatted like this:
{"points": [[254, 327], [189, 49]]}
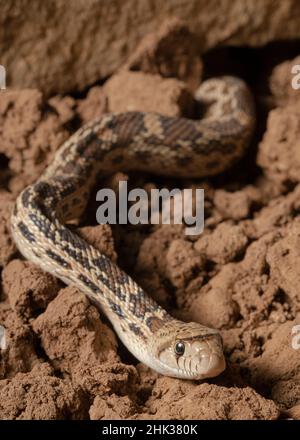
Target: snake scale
{"points": [[149, 142]]}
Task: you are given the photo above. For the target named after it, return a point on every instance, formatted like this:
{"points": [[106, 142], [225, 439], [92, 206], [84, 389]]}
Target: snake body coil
{"points": [[134, 141]]}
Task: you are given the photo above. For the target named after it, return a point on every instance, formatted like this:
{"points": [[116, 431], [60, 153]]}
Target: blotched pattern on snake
{"points": [[148, 142]]}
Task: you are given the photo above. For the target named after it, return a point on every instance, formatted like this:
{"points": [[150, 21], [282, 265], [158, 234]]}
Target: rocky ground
{"points": [[63, 361]]}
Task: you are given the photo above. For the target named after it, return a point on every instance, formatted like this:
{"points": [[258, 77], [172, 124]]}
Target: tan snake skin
{"points": [[134, 141]]}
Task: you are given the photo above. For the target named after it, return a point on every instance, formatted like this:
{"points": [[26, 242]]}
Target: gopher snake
{"points": [[134, 141]]}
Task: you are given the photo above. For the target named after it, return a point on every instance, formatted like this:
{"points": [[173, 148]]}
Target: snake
{"points": [[145, 142]]}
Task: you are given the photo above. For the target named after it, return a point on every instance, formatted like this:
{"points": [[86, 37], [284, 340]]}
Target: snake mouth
{"points": [[207, 365], [211, 365]]}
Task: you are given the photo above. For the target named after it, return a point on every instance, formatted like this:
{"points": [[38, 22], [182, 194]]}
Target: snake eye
{"points": [[179, 348]]}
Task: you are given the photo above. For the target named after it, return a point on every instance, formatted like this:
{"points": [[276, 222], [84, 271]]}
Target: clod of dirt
{"points": [[30, 134], [39, 395], [7, 245], [65, 107], [93, 106], [185, 400], [213, 304], [20, 354], [293, 413], [281, 82], [137, 91], [284, 260], [113, 408], [279, 150], [183, 263], [70, 331], [232, 205], [279, 360], [286, 393], [226, 243], [105, 378], [173, 51], [215, 308], [279, 212], [29, 288]]}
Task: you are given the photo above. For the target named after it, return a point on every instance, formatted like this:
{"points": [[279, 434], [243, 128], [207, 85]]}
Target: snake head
{"points": [[189, 351]]}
